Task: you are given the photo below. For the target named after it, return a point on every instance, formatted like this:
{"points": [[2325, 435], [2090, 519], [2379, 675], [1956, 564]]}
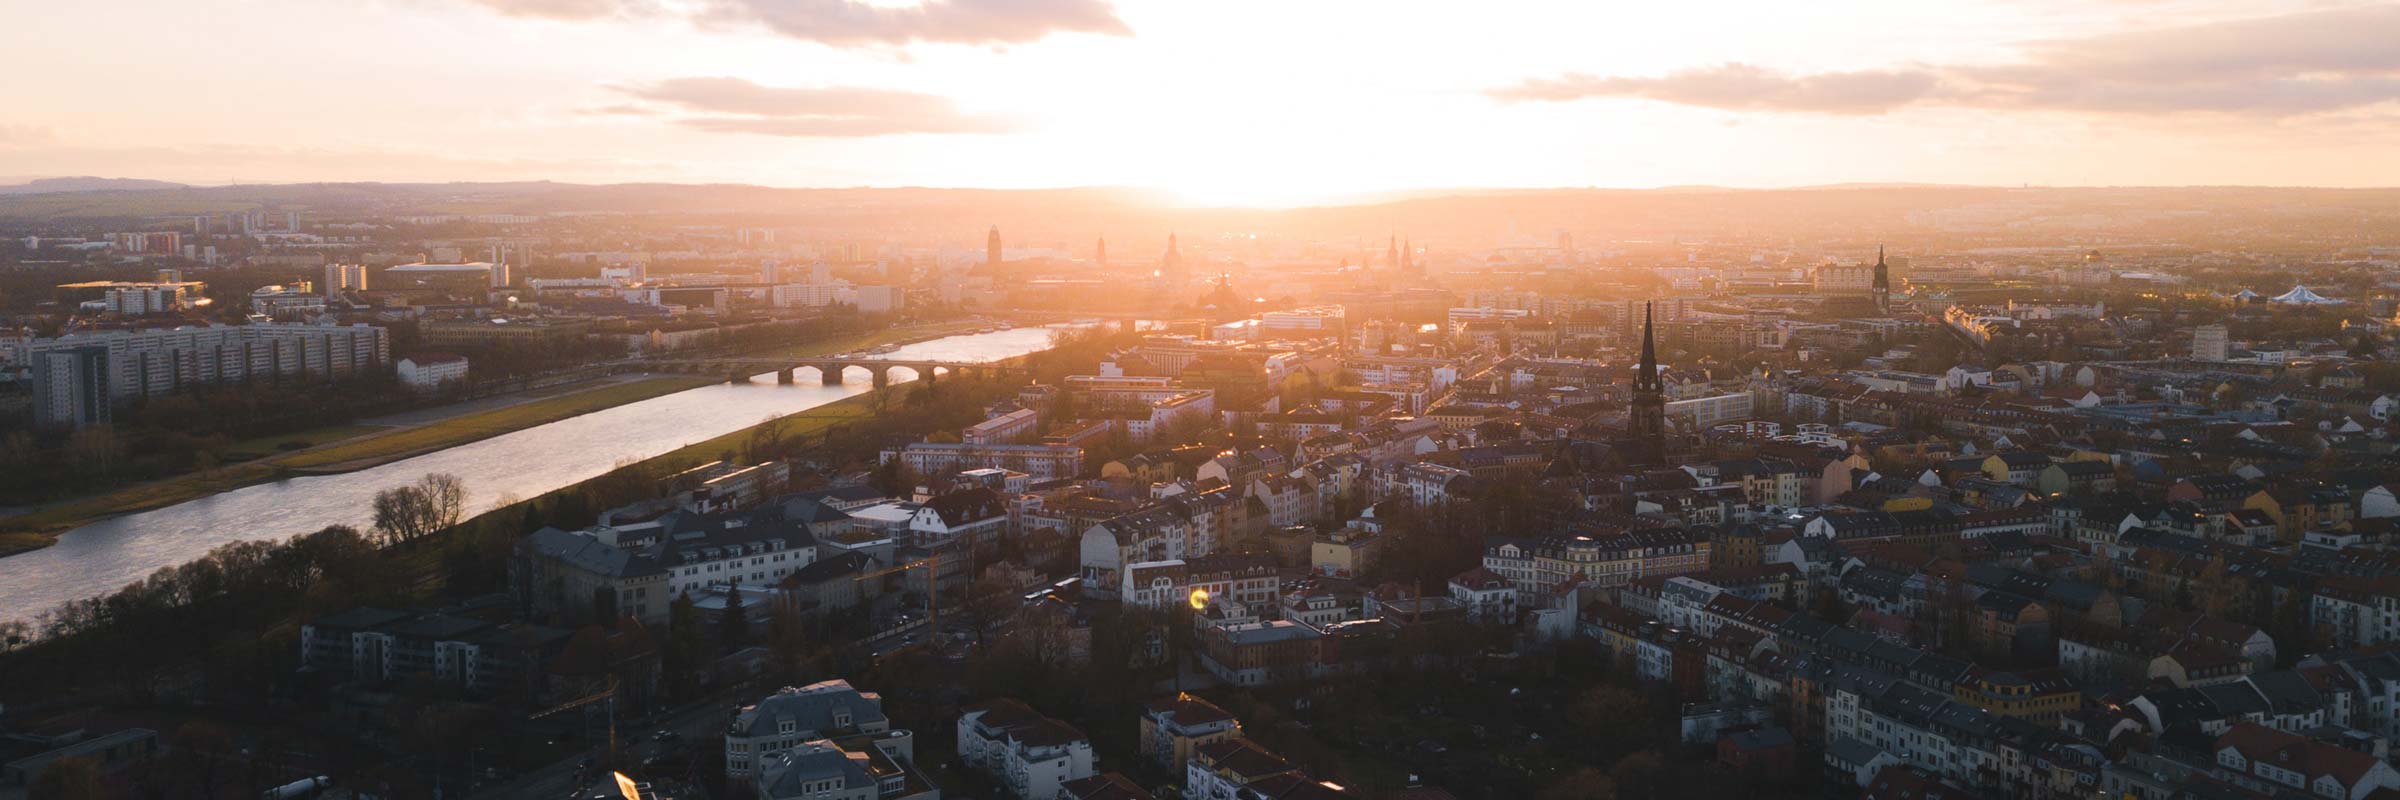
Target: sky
{"points": [[1240, 102]]}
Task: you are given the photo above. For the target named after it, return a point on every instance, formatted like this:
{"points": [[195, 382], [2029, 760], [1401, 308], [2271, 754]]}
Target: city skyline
{"points": [[1232, 104]]}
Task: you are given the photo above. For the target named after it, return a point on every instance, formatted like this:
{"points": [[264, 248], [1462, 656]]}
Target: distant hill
{"points": [[86, 183]]}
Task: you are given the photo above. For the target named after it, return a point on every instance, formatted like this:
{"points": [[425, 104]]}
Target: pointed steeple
{"points": [[1647, 372], [1391, 253], [991, 246], [1883, 282], [1647, 421], [1408, 254], [1100, 251]]}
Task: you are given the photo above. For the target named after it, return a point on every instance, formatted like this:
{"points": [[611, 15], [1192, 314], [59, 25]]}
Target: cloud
{"points": [[1744, 87], [850, 23], [735, 105], [569, 10], [2295, 64], [856, 23]]}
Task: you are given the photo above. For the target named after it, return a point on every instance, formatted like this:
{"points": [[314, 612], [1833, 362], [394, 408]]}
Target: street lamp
{"points": [[1199, 602]]}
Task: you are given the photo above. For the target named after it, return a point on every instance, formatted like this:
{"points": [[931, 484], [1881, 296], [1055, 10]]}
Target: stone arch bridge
{"points": [[830, 371]]}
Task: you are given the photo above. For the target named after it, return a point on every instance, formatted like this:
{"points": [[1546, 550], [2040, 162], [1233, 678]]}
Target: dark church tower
{"points": [[1883, 282], [1649, 418], [991, 246]]}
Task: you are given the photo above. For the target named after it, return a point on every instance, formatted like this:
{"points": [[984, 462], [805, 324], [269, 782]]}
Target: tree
{"points": [[990, 604], [94, 451], [434, 503], [893, 478], [446, 495], [1641, 774], [1588, 783], [70, 779], [685, 646], [735, 626], [1184, 427], [402, 513]]}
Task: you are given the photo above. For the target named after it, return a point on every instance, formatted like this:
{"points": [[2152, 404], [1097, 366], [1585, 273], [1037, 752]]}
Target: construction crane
{"points": [[608, 695], [933, 586]]}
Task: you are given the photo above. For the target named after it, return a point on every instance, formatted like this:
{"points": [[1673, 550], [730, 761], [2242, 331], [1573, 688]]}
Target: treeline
{"points": [[225, 615], [194, 428]]}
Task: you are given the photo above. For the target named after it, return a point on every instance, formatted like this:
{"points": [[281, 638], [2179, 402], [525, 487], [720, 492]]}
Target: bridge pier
{"points": [[829, 375], [925, 374], [783, 377], [738, 376], [882, 377]]}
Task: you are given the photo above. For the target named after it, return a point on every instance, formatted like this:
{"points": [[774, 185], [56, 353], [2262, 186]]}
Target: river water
{"points": [[102, 556]]}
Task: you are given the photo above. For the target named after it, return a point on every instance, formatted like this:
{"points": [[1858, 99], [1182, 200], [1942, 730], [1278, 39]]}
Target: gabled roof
{"points": [[1243, 758]]}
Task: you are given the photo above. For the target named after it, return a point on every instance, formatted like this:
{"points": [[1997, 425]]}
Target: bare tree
{"points": [[435, 502], [446, 498], [402, 513]]}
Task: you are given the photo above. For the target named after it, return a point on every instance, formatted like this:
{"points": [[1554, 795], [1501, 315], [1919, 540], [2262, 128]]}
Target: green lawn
{"points": [[265, 446], [38, 529]]}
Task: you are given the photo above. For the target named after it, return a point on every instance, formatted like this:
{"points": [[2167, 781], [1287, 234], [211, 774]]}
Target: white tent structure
{"points": [[2301, 296]]}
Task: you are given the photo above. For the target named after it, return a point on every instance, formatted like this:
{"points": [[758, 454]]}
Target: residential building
{"points": [[1174, 728], [1031, 756], [792, 717]]}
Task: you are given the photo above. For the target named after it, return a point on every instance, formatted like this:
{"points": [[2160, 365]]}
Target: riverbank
{"points": [[367, 447], [412, 434]]}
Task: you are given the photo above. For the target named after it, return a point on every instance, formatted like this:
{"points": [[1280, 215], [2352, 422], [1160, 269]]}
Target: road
{"points": [[700, 724]]}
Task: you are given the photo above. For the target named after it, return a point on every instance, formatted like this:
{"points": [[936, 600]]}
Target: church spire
{"points": [[1883, 282], [1647, 374], [1391, 253], [1647, 421], [991, 246], [1100, 252], [1408, 254]]}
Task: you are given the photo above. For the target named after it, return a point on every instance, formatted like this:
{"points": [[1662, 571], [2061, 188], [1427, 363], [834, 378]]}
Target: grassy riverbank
{"points": [[345, 449], [369, 451]]}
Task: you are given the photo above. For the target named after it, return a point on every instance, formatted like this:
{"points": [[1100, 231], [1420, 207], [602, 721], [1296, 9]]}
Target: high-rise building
{"points": [[70, 386], [991, 246], [151, 362], [2208, 343], [341, 278], [1648, 422]]}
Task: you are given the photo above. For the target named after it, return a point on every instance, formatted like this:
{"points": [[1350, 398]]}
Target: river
{"points": [[102, 556]]}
